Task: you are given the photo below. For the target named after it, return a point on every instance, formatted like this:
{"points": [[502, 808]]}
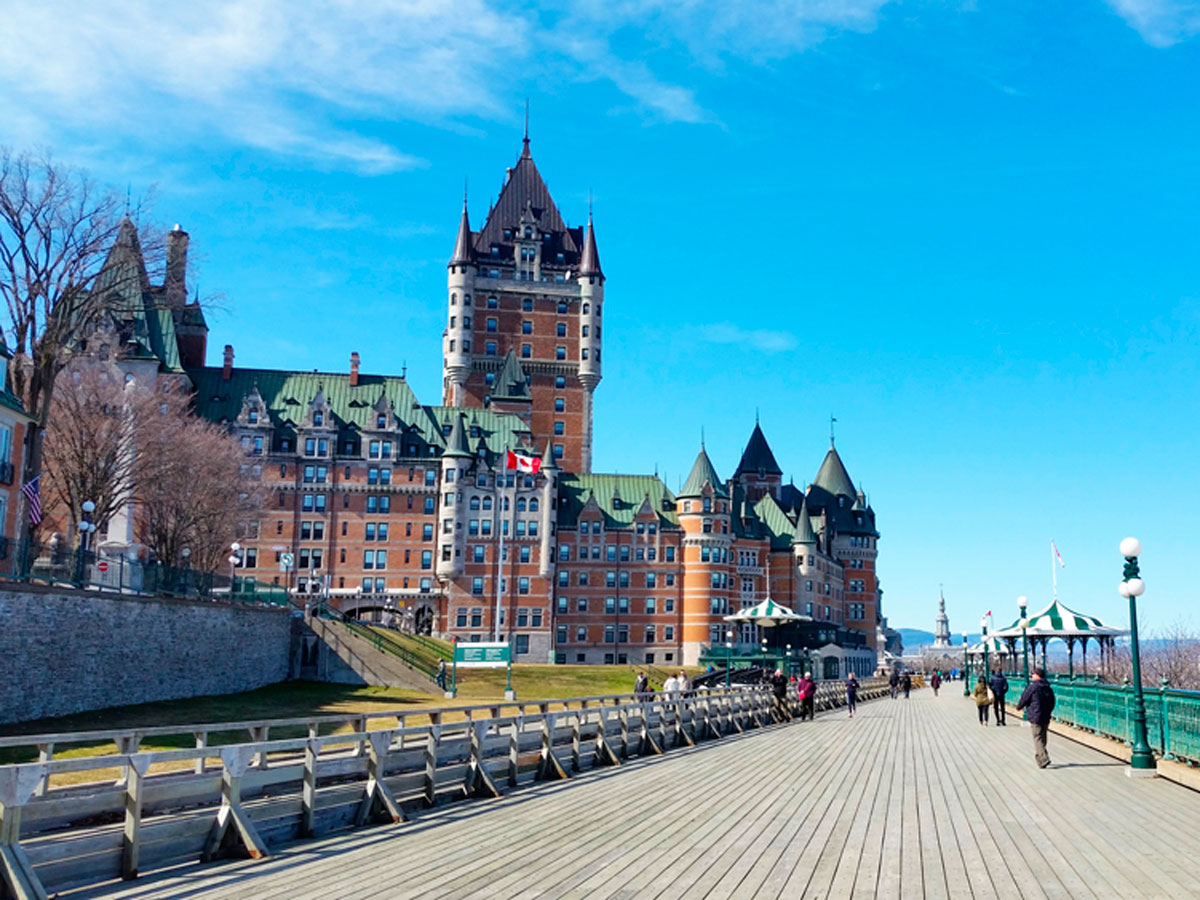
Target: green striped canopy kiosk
{"points": [[1057, 621], [768, 613], [995, 646]]}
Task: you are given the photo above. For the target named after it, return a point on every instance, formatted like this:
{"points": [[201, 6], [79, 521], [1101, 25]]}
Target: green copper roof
{"points": [[629, 492], [779, 526], [702, 471], [758, 456], [456, 444], [511, 383], [833, 476]]}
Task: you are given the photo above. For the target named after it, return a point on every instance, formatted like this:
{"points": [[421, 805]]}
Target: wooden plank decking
{"points": [[908, 799]]}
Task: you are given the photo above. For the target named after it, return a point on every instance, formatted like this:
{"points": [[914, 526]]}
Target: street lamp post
{"points": [[1141, 761], [966, 667], [235, 557], [789, 661], [86, 528], [1023, 604], [987, 672], [728, 659], [764, 652]]}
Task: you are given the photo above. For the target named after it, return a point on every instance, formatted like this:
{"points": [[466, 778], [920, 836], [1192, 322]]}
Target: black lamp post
{"points": [[86, 528], [235, 557], [1023, 605], [966, 667], [1141, 761]]}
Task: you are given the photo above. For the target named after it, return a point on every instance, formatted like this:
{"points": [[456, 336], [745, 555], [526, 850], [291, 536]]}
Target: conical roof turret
{"points": [[833, 477], [511, 383], [548, 461], [702, 472], [804, 529], [589, 262], [456, 443], [462, 244], [758, 455]]}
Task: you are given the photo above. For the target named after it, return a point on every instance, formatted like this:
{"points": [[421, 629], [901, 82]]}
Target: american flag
{"points": [[30, 491]]}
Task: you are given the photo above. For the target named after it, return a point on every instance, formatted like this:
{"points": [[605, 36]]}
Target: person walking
{"points": [[685, 683], [999, 686], [935, 682], [441, 674], [851, 693], [641, 686], [670, 687], [982, 700], [779, 685], [807, 690], [894, 683], [1038, 702], [906, 683]]}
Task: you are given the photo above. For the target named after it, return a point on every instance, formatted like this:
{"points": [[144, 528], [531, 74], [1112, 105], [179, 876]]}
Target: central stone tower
{"points": [[529, 285]]}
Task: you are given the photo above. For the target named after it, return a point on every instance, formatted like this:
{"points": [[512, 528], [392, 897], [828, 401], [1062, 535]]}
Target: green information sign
{"points": [[490, 655]]}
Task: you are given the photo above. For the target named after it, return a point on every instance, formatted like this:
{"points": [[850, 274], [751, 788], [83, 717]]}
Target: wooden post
{"points": [[604, 750], [131, 844], [624, 714], [514, 750], [478, 783], [17, 876], [233, 825], [201, 743], [127, 745], [45, 754], [432, 744], [259, 734], [378, 804], [575, 740], [308, 790], [549, 765]]}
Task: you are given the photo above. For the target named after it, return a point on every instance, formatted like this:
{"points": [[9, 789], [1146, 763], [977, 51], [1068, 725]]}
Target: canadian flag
{"points": [[523, 463]]}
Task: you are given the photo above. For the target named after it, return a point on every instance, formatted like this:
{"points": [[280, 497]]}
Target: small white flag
{"points": [[1057, 555]]}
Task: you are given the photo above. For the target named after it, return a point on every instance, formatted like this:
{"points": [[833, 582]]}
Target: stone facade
{"points": [[70, 652]]}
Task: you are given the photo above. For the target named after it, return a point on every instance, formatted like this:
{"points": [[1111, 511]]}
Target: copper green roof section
{"points": [[833, 476], [618, 496], [702, 471], [163, 340], [804, 529], [287, 395], [758, 456], [456, 444], [778, 525], [511, 383]]}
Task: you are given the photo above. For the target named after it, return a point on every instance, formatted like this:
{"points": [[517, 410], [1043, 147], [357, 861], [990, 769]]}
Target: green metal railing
{"points": [[38, 563], [1172, 716], [440, 649], [386, 644]]}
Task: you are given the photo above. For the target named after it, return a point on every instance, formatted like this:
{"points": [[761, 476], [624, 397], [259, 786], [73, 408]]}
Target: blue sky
{"points": [[965, 229]]}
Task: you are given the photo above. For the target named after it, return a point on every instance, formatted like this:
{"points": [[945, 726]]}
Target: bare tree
{"points": [[56, 228], [97, 420], [193, 491]]}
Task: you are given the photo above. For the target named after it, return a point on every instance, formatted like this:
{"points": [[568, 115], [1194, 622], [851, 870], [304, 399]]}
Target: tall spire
{"points": [[589, 262], [525, 148], [462, 244]]}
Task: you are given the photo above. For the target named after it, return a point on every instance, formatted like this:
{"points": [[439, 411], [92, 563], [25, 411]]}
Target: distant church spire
{"points": [[941, 630]]}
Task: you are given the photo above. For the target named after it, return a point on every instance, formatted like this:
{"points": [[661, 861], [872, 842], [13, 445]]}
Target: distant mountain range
{"points": [[918, 637]]}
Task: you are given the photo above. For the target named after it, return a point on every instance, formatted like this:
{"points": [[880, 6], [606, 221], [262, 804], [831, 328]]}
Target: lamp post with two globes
{"points": [[1142, 763], [966, 667], [1023, 603]]}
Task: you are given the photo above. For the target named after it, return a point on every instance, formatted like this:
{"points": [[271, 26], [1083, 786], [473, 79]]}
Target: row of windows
{"points": [[522, 585], [613, 634], [611, 579], [526, 618], [526, 302], [614, 605], [597, 527], [375, 503]]}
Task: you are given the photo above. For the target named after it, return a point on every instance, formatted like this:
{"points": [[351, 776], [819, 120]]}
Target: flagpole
{"points": [[501, 521], [1053, 571]]}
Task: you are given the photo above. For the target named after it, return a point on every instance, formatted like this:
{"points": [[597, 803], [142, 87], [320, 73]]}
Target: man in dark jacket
{"points": [[906, 683], [894, 682], [999, 686], [779, 684], [1038, 702]]}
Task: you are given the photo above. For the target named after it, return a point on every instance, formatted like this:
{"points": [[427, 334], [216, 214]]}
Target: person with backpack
{"points": [[982, 700], [894, 683], [1038, 701], [906, 683], [808, 694], [935, 681]]}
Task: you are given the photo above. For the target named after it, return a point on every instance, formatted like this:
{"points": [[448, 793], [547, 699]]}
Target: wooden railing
{"points": [[147, 810]]}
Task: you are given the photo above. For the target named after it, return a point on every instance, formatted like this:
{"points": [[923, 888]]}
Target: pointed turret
{"points": [[456, 443], [804, 530], [463, 243], [548, 461], [758, 456], [833, 477], [702, 473], [511, 382], [589, 263]]}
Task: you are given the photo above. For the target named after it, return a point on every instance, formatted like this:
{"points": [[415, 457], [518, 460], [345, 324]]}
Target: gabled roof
{"points": [[702, 471], [511, 382], [758, 455], [833, 477], [575, 490]]}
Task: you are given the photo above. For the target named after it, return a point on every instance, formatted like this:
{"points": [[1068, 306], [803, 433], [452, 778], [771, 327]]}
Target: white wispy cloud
{"points": [[762, 340], [1161, 23], [294, 77]]}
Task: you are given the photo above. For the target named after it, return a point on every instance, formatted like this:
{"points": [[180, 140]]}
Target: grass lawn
{"points": [[297, 699]]}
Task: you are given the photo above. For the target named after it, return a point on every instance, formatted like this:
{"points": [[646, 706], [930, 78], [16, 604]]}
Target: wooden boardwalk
{"points": [[908, 799]]}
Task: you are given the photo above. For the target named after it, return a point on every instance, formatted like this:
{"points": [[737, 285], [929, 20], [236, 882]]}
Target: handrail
{"points": [[386, 645], [307, 785]]}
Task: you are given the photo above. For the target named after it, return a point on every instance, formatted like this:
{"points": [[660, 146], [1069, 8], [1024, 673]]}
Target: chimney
{"points": [[227, 368], [354, 369], [176, 280]]}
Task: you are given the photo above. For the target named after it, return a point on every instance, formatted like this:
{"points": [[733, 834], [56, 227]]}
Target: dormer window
{"points": [[318, 419], [508, 234], [381, 421], [528, 232], [496, 249], [841, 502], [252, 418]]}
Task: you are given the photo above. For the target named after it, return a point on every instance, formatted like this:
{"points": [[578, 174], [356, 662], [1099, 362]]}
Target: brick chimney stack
{"points": [[176, 280], [227, 368], [354, 369]]}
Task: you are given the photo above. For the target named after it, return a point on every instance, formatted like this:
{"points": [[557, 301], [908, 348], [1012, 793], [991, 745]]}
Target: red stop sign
{"points": [[102, 566]]}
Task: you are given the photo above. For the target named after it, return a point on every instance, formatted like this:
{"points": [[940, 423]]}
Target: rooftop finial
{"points": [[756, 415], [466, 184], [832, 422], [701, 437], [525, 142]]}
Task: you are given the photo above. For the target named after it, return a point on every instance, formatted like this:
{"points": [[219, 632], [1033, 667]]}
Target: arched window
{"points": [[533, 504]]}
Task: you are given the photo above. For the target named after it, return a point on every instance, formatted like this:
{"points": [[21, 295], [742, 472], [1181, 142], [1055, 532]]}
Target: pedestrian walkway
{"points": [[908, 799]]}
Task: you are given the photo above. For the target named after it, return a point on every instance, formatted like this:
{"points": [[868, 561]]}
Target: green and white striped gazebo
{"points": [[768, 613], [1057, 621], [995, 647]]}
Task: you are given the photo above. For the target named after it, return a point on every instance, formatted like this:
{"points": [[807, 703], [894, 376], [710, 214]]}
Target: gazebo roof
{"points": [[1057, 620], [768, 612], [994, 645]]}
